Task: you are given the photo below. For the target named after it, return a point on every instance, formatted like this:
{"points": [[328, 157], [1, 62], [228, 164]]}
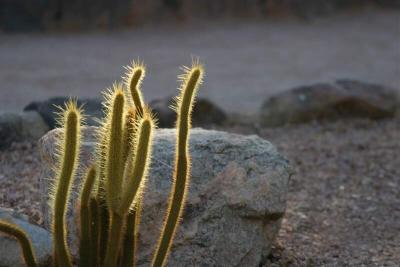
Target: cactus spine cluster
{"points": [[111, 191]]}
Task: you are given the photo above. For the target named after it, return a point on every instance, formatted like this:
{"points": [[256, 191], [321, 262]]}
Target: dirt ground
{"points": [[343, 206], [344, 201], [245, 61]]}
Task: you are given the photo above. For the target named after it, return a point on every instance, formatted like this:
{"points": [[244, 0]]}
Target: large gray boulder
{"points": [[236, 201], [324, 101], [10, 255]]}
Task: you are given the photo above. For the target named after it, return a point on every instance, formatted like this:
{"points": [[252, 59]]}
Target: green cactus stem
{"points": [[86, 246], [104, 225], [190, 83], [114, 164], [23, 240], [136, 175], [129, 132], [129, 246], [94, 231], [69, 154], [137, 168], [101, 221]]}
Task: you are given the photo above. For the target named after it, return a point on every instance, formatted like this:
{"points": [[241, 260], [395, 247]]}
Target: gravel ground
{"points": [[344, 200]]}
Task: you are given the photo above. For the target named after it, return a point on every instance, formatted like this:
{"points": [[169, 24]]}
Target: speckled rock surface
{"points": [[236, 201]]}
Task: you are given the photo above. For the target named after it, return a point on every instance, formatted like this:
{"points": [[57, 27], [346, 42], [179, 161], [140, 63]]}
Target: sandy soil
{"points": [[343, 206], [246, 61]]}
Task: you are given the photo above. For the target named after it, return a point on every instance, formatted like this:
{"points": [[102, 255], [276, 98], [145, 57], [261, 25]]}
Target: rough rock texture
{"points": [[343, 99], [205, 113], [20, 126], [235, 205], [48, 109], [10, 255]]}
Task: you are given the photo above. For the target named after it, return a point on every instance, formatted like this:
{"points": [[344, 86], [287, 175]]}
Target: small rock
{"points": [[15, 127], [33, 125], [93, 109], [10, 129], [10, 255], [205, 113], [236, 200], [343, 99]]}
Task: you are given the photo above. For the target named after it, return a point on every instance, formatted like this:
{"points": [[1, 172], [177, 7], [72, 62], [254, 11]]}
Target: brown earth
{"points": [[344, 201]]}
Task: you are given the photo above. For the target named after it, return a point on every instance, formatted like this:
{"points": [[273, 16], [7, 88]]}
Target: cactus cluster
{"points": [[111, 191]]}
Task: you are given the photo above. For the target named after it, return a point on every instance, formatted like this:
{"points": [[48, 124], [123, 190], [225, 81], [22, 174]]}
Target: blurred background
{"points": [[251, 48], [319, 79]]}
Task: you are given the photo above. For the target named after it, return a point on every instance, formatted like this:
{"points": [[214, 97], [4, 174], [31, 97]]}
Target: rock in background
{"points": [[10, 255], [342, 99], [236, 201], [15, 127], [205, 113], [48, 109]]}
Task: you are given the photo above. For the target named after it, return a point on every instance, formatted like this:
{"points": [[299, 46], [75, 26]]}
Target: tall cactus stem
{"points": [[130, 241], [190, 82], [114, 164], [114, 240], [136, 175], [104, 225], [86, 246], [94, 230], [68, 162]]}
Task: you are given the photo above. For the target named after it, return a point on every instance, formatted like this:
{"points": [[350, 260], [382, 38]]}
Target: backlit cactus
{"points": [[191, 80], [111, 191], [65, 172]]}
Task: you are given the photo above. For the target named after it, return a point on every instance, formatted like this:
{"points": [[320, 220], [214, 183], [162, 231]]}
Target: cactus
{"points": [[86, 244], [25, 243], [111, 191], [134, 176], [68, 161], [191, 80]]}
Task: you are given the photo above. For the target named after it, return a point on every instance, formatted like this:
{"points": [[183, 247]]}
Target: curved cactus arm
{"points": [[87, 245], [191, 80], [133, 80], [23, 240], [68, 161]]}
